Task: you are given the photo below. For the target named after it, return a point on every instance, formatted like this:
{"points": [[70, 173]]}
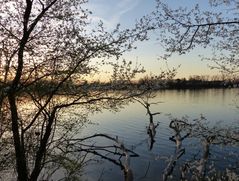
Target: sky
{"points": [[125, 12]]}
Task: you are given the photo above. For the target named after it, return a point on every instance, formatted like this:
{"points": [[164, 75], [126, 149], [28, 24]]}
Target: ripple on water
{"points": [[130, 125]]}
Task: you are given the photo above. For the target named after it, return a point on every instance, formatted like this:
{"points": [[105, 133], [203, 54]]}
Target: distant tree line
{"points": [[193, 82], [145, 83]]}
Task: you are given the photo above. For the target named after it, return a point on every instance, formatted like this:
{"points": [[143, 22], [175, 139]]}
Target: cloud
{"points": [[111, 12]]}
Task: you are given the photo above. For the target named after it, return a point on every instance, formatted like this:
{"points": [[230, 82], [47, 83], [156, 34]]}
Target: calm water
{"points": [[207, 151]]}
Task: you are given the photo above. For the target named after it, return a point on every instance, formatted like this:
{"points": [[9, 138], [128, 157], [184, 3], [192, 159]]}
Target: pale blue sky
{"points": [[125, 12]]}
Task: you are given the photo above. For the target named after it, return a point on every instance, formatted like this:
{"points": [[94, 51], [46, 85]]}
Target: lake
{"points": [[194, 136]]}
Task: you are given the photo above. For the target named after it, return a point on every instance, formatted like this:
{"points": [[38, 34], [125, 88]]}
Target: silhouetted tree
{"points": [[51, 41], [215, 27], [151, 128], [209, 136]]}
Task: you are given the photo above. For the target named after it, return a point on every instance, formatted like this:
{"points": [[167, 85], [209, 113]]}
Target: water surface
{"points": [[202, 154]]}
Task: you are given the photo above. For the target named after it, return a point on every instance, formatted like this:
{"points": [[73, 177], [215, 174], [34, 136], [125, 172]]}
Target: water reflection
{"points": [[184, 163], [179, 148], [168, 149]]}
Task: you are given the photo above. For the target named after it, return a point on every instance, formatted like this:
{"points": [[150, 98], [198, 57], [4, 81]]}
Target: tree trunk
{"points": [[19, 147], [42, 148]]}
